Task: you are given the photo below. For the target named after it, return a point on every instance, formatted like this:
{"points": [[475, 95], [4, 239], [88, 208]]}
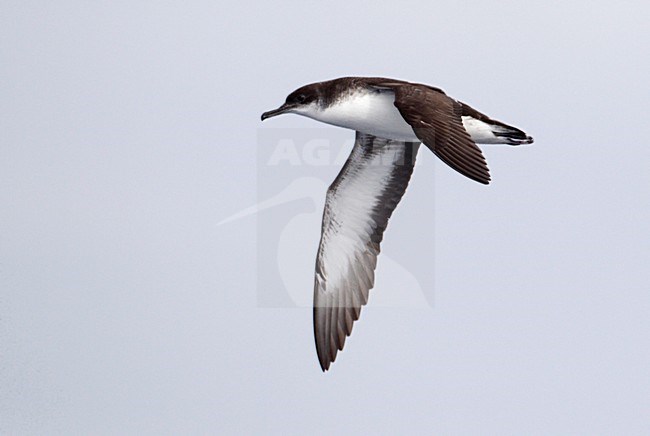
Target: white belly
{"points": [[372, 113]]}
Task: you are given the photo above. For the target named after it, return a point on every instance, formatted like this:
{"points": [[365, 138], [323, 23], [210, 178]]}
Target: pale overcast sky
{"points": [[130, 130]]}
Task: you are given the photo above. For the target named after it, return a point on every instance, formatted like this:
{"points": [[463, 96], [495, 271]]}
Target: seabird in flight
{"points": [[391, 118]]}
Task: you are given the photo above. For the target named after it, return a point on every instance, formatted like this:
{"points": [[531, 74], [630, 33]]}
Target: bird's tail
{"points": [[485, 130], [510, 135]]}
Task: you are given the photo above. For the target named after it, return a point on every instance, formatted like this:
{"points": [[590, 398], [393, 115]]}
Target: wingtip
{"points": [[324, 359], [324, 364], [483, 179]]}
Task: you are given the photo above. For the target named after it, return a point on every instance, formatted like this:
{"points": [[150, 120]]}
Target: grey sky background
{"points": [[128, 130]]}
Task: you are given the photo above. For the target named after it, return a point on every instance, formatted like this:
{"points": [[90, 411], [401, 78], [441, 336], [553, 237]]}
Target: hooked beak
{"points": [[279, 111]]}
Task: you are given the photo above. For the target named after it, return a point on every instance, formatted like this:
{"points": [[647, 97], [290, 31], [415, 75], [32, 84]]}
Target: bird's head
{"points": [[303, 101]]}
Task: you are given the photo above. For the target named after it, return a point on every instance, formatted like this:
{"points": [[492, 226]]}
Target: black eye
{"points": [[300, 98]]}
